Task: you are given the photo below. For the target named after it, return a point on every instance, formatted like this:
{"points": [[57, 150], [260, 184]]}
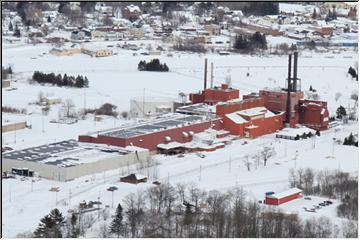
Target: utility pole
{"points": [[144, 102], [112, 199], [230, 163], [333, 148], [42, 119], [200, 174]]}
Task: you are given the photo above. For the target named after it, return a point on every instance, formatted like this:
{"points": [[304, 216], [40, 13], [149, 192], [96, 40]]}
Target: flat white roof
{"points": [[237, 118], [256, 111], [292, 132], [170, 145], [285, 193]]}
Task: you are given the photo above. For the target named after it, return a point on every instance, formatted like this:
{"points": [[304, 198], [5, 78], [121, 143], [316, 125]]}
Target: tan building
{"points": [[98, 35], [213, 29], [65, 52], [5, 83], [136, 33], [12, 126], [68, 160], [104, 52]]}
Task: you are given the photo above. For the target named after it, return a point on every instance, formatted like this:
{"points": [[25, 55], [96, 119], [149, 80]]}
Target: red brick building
{"points": [[314, 114], [276, 101], [253, 122], [237, 105], [151, 134], [214, 95], [283, 197]]}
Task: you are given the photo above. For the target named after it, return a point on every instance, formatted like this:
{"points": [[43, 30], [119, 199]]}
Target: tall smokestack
{"points": [[205, 74], [295, 71], [288, 103]]}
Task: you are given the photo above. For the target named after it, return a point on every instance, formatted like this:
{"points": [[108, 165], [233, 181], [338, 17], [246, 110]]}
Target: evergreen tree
{"points": [[188, 217], [310, 89], [314, 14], [353, 73], [48, 19], [86, 82], [59, 221], [50, 225], [75, 230], [17, 32], [10, 26], [116, 226], [340, 112], [45, 226]]}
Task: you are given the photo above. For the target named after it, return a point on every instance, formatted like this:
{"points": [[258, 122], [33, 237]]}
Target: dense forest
{"points": [[154, 65], [58, 80]]}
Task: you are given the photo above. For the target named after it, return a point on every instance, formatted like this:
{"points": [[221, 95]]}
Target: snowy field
{"points": [[116, 80]]}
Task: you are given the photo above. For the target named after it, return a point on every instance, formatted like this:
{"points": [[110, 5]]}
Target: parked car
{"points": [[307, 198], [112, 188]]}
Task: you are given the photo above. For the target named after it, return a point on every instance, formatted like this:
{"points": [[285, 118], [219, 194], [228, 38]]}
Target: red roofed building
{"points": [[283, 197]]}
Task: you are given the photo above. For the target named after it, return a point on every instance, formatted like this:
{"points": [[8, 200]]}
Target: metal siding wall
{"points": [[105, 165], [64, 174]]}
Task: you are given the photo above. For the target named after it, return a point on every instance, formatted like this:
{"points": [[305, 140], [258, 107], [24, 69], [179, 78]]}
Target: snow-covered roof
{"points": [[292, 132], [133, 8], [236, 118], [285, 193], [170, 145], [256, 111], [68, 153]]}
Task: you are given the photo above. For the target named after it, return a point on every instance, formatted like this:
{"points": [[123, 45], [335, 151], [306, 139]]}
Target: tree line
{"points": [[153, 65], [248, 42], [186, 211], [58, 80]]}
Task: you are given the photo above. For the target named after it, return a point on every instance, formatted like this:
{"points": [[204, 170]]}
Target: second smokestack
{"points": [[295, 71]]}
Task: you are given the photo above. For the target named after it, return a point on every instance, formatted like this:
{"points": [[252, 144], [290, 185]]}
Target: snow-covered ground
{"points": [[221, 170], [116, 80]]}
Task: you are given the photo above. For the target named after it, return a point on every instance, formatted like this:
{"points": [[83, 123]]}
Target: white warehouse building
{"points": [[67, 160], [150, 106]]}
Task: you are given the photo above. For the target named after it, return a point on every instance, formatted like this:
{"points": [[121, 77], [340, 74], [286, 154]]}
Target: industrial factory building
{"points": [[67, 160], [174, 127], [221, 109]]}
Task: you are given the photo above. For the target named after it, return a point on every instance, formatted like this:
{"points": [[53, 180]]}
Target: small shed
{"points": [[283, 197], [134, 179], [171, 148]]}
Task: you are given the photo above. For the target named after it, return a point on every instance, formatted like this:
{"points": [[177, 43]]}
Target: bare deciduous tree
{"points": [[68, 106], [266, 153]]}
